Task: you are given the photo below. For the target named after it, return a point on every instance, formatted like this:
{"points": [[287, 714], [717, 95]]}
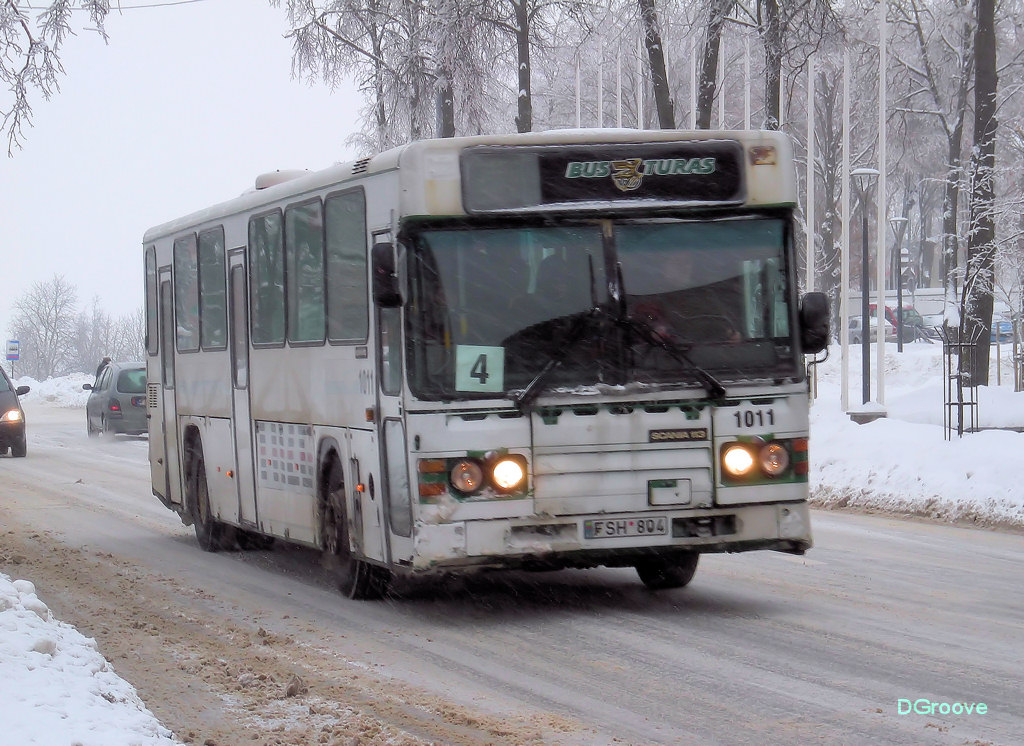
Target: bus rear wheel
{"points": [[356, 578], [660, 573], [210, 533]]}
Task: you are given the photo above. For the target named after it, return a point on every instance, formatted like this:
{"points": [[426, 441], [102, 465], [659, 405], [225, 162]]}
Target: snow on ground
{"points": [[908, 462], [55, 687], [65, 391]]}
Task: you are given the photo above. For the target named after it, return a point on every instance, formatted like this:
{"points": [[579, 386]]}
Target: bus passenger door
{"points": [[397, 495], [245, 473], [166, 467]]}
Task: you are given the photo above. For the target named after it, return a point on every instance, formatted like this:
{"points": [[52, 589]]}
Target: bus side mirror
{"points": [[386, 293], [814, 323]]}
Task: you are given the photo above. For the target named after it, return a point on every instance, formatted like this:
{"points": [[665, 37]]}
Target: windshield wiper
{"points": [[582, 322], [676, 351], [526, 397]]}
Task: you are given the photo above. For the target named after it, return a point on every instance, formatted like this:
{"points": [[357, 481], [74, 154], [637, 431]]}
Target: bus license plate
{"points": [[607, 528]]}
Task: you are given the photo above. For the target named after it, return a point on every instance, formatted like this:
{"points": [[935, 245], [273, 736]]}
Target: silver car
{"points": [[857, 334], [117, 402]]}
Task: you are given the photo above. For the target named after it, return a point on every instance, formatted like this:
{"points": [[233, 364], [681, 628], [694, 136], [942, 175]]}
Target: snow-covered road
{"points": [[762, 647]]}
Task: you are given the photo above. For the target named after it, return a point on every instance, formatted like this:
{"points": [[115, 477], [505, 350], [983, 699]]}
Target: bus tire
{"points": [[210, 533], [355, 578], [661, 573]]}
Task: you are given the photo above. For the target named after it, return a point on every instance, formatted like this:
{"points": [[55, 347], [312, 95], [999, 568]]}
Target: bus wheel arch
{"points": [[211, 534], [341, 543]]}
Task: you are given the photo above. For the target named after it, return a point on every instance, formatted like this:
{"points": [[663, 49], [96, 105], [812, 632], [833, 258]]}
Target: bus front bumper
{"points": [[611, 539]]}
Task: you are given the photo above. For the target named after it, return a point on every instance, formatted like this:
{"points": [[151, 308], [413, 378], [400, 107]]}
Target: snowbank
{"points": [[56, 688], [65, 391]]}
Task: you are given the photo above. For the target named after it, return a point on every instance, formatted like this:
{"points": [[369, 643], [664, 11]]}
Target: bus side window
{"points": [[266, 291], [390, 320], [213, 317], [347, 293], [186, 293], [152, 328], [304, 271]]}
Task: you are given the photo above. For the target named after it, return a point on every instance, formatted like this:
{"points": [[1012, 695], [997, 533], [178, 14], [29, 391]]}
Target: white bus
{"points": [[551, 350]]}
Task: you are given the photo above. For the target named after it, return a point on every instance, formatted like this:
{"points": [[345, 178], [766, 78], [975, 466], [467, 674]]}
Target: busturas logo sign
{"points": [[692, 171], [628, 174], [504, 178]]}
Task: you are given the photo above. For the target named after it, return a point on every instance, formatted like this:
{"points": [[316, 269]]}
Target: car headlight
{"points": [[508, 473], [466, 476], [12, 415]]}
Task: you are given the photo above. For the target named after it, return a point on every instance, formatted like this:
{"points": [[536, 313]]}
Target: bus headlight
{"points": [[508, 474], [737, 461], [774, 459], [466, 476], [754, 461]]}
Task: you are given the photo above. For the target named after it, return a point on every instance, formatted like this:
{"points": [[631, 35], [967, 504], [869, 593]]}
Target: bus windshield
{"points": [[605, 302]]}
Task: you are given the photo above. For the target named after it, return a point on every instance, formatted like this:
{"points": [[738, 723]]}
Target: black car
{"points": [[12, 417]]}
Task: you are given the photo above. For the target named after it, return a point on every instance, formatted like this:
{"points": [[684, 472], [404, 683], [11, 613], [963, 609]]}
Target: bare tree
{"points": [[98, 334], [93, 337], [790, 30], [131, 335], [31, 38], [44, 322], [656, 59], [422, 64], [828, 167], [941, 63], [338, 38], [717, 13], [977, 316], [523, 23]]}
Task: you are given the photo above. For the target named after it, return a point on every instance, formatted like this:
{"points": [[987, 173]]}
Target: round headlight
{"points": [[774, 459], [508, 474], [737, 460], [466, 476]]}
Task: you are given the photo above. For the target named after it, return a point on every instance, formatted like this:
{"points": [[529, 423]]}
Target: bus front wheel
{"points": [[660, 573], [356, 578]]}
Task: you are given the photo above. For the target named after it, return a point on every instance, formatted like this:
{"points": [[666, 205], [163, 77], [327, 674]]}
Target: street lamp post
{"points": [[898, 224], [863, 178]]}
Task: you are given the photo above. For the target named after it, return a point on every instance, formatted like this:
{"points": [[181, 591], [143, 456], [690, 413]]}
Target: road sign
{"points": [[13, 349]]}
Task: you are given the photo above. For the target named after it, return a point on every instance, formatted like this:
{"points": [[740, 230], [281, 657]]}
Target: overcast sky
{"points": [[182, 109]]}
